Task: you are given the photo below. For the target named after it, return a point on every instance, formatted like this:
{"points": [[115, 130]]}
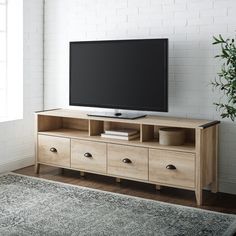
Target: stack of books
{"points": [[123, 134]]}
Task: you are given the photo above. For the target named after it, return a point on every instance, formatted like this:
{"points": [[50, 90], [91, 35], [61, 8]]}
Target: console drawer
{"points": [[170, 167], [88, 155], [127, 161], [54, 150]]}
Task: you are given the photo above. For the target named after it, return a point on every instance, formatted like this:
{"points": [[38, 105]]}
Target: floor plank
{"points": [[220, 202]]}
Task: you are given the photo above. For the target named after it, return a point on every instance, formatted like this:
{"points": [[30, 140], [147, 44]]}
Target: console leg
{"points": [[198, 194], [214, 187], [82, 174], [158, 187], [37, 168], [118, 180]]}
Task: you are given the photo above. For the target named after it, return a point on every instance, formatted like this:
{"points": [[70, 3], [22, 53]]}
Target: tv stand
{"points": [[71, 139], [117, 115]]}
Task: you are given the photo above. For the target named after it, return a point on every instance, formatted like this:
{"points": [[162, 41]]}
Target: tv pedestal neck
{"points": [[117, 114], [71, 139]]}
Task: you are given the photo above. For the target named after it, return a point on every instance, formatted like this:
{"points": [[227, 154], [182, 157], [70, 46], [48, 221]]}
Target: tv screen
{"points": [[120, 74]]}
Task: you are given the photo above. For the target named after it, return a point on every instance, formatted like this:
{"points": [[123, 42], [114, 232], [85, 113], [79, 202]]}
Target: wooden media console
{"points": [[71, 139]]}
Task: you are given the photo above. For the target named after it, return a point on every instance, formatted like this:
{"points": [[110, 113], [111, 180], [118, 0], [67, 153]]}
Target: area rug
{"points": [[32, 206]]}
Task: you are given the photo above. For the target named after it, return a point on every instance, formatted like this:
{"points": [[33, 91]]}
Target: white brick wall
{"points": [[17, 137], [189, 25]]}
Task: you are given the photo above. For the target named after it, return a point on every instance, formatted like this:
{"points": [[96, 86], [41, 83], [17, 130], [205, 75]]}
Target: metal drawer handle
{"points": [[127, 160], [170, 167], [52, 149], [87, 154]]}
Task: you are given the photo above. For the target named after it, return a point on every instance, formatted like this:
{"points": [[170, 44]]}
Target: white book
{"points": [[122, 132], [120, 136]]}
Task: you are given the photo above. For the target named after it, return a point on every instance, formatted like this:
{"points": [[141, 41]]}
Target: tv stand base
{"points": [[70, 139], [117, 115]]}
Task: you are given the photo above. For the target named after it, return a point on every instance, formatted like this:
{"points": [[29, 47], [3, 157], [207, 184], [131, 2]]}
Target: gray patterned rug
{"points": [[32, 206]]}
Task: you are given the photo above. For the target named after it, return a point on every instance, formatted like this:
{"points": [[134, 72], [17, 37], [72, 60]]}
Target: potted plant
{"points": [[225, 82]]}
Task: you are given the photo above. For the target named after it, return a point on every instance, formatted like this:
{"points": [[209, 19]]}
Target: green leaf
{"points": [[225, 83]]}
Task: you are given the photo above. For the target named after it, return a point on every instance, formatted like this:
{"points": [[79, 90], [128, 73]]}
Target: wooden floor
{"points": [[217, 202]]}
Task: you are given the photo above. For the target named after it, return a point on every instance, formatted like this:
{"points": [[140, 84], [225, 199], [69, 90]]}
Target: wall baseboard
{"points": [[16, 164]]}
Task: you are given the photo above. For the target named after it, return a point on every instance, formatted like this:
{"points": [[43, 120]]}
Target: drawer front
{"points": [[88, 155], [127, 161], [54, 150], [170, 167]]}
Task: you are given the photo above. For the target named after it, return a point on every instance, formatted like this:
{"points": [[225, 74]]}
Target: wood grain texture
{"points": [[62, 155], [37, 165], [46, 123], [199, 166], [208, 155], [201, 144], [137, 169], [148, 120], [74, 123], [120, 125], [215, 181], [72, 133], [146, 132], [206, 160], [183, 175], [96, 127], [97, 162]]}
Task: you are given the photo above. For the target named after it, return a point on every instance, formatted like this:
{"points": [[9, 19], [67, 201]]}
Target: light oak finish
{"points": [[184, 163], [208, 154], [96, 159], [78, 134], [36, 128], [118, 180], [73, 133], [137, 169], [215, 184], [82, 174], [158, 187], [147, 132], [61, 154], [199, 166], [190, 135], [46, 123], [120, 125], [206, 160], [95, 127], [148, 120], [72, 123]]}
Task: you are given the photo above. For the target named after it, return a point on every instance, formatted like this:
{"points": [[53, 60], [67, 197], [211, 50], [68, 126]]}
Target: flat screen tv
{"points": [[120, 74]]}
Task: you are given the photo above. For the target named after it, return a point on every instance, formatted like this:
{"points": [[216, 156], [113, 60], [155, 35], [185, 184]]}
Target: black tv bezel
{"points": [[163, 109]]}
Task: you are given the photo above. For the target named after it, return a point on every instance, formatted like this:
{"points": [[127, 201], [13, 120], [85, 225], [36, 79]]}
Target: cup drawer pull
{"points": [[52, 149], [127, 160], [170, 167], [87, 154]]}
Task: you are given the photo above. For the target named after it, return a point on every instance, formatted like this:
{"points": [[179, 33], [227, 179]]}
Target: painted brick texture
{"points": [[189, 25]]}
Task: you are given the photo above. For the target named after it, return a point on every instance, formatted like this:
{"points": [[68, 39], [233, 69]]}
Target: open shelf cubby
{"points": [[150, 136], [92, 129], [63, 126]]}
